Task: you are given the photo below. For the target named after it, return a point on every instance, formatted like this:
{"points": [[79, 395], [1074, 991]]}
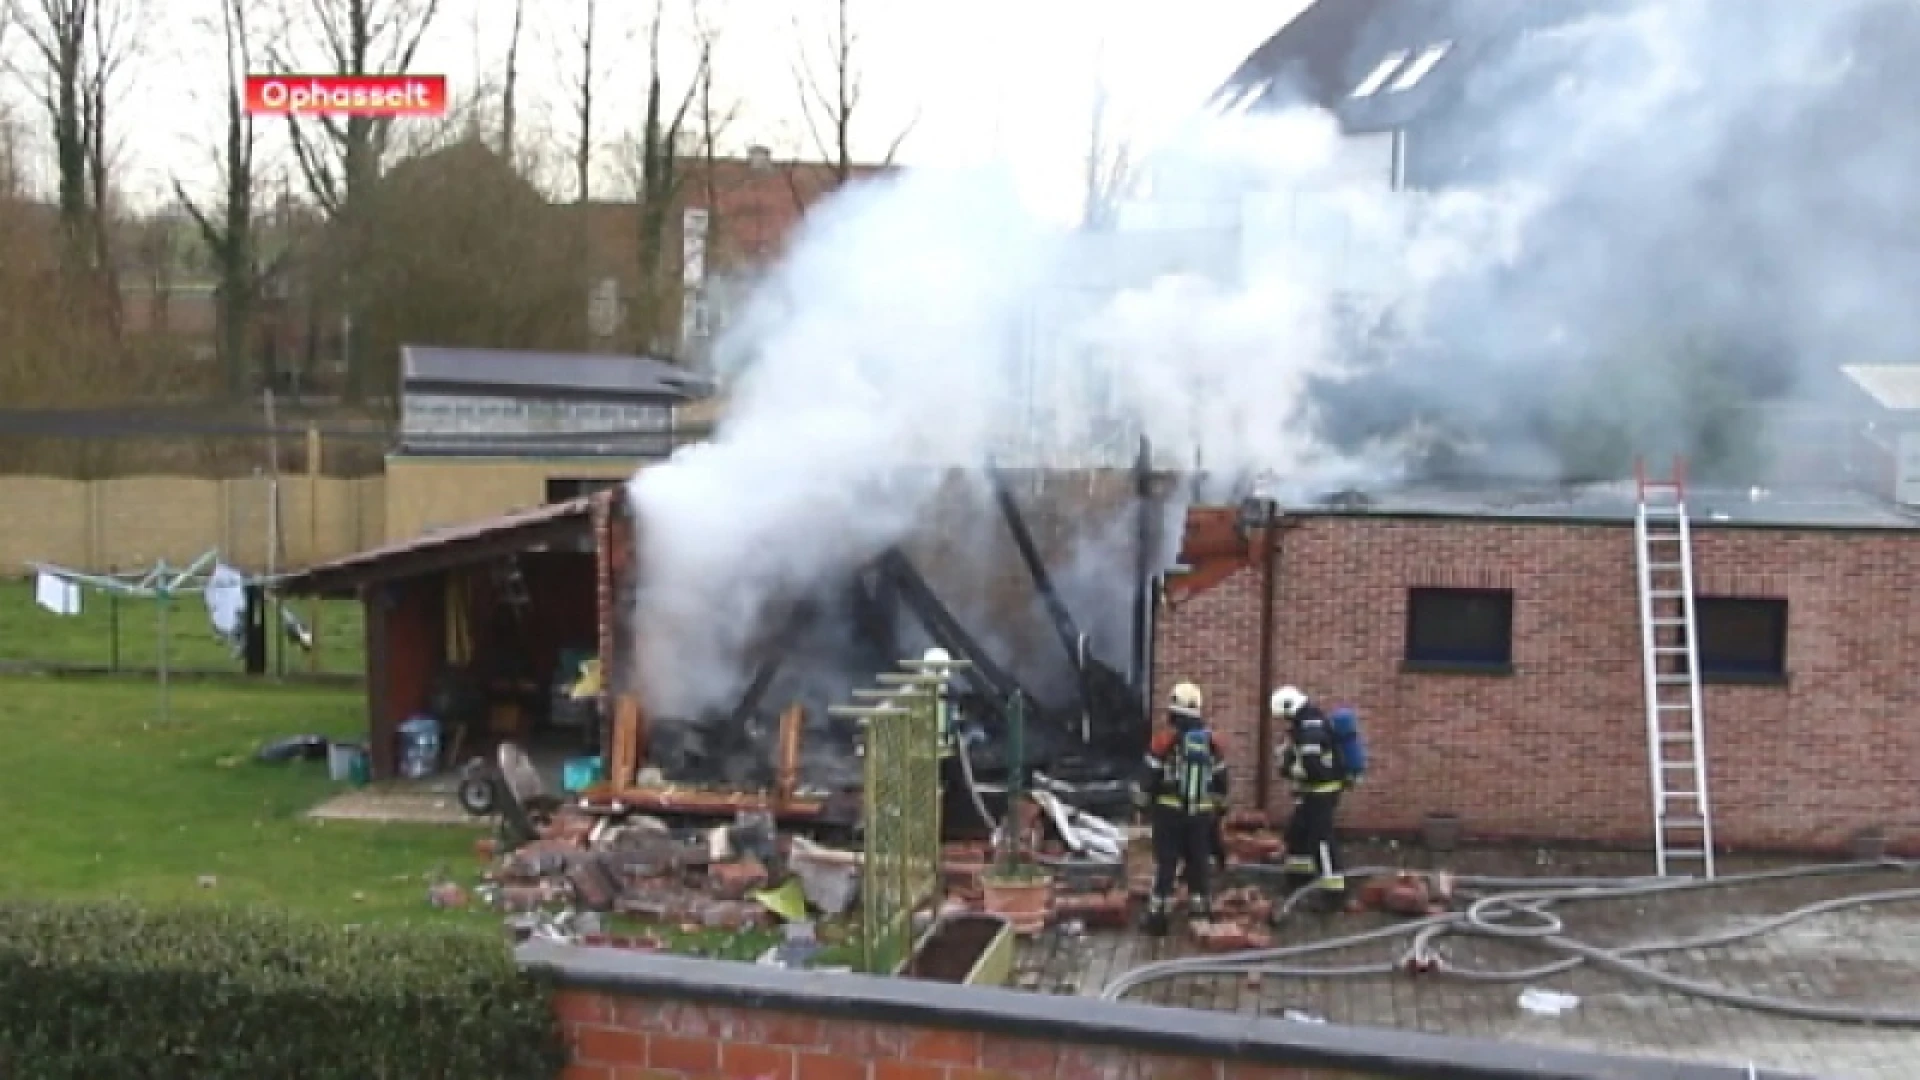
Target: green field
{"points": [[103, 800], [29, 635]]}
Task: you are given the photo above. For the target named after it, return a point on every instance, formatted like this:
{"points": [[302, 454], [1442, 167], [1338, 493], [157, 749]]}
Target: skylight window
{"points": [[1242, 101], [1371, 85], [1429, 58]]}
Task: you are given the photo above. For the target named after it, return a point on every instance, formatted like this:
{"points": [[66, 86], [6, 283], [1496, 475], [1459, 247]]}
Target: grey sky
{"points": [[988, 78]]}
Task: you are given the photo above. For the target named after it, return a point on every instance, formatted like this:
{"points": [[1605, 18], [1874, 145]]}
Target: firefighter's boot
{"points": [[1155, 923]]}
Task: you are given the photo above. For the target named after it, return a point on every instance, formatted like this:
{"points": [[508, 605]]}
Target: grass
{"points": [[101, 800], [32, 636]]}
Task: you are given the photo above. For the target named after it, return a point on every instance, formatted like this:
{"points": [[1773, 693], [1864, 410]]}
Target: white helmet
{"points": [[936, 655], [1185, 700], [1287, 701]]}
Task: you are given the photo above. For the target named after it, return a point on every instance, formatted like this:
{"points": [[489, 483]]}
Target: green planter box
{"points": [[972, 950]]}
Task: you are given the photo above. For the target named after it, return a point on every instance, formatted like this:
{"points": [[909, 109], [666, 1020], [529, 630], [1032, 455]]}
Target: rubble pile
{"points": [[743, 876]]}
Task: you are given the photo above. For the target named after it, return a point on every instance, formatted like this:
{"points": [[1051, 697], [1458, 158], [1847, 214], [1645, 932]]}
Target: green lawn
{"points": [[31, 635], [100, 800]]}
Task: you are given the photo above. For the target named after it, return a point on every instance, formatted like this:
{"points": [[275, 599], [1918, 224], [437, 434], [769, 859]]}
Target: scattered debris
{"points": [[1547, 1002]]}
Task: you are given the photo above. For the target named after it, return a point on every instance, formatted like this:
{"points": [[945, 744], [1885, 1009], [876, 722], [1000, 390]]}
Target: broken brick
{"points": [[522, 897], [730, 915], [734, 880], [1105, 910], [1218, 937], [447, 895], [594, 885]]}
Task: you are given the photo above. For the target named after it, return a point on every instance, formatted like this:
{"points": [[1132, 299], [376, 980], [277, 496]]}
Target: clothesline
{"points": [[58, 590]]}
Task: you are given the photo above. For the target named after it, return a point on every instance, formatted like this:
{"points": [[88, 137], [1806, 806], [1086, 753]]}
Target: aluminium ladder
{"points": [[1676, 734]]}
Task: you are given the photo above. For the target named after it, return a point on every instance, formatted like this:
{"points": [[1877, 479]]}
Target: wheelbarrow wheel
{"points": [[478, 796]]}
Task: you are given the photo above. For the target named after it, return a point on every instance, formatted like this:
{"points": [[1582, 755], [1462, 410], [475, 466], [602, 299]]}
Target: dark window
{"points": [[1464, 629], [563, 488], [1467, 629], [1741, 638]]}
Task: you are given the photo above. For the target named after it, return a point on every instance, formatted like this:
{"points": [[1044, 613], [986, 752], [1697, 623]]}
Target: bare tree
{"points": [[83, 47], [1109, 164], [659, 183], [830, 100], [586, 79], [510, 87], [227, 228], [341, 159]]}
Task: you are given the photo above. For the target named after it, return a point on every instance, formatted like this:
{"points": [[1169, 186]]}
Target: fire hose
{"points": [[1520, 913]]}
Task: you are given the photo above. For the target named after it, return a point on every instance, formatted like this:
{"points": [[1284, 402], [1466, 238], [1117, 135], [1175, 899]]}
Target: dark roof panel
{"points": [[517, 371], [445, 548], [1379, 64]]}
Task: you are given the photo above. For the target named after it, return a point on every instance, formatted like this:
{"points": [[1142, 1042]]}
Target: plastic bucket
{"points": [[340, 761], [360, 771], [579, 774]]}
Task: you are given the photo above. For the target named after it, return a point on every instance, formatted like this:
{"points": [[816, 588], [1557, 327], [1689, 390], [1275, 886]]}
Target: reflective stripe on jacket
{"points": [[1164, 779]]}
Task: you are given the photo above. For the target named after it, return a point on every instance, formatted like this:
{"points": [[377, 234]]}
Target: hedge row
{"points": [[110, 991]]}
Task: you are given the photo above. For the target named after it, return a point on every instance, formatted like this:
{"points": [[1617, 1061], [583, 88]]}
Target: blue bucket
{"points": [[580, 774]]}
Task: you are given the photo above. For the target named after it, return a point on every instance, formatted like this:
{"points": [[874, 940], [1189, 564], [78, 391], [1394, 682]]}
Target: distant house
{"points": [[733, 216], [485, 432], [1396, 73]]}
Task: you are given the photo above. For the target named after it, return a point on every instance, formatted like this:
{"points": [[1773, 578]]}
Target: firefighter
{"points": [[1311, 759], [959, 814], [1183, 786]]}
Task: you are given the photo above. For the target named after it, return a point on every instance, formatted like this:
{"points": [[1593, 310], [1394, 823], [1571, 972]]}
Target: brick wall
{"points": [[1557, 750], [632, 1015], [617, 1037]]}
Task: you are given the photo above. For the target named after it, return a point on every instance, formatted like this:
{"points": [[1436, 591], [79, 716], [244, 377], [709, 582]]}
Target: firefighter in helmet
{"points": [[959, 812], [1183, 787], [1311, 760]]}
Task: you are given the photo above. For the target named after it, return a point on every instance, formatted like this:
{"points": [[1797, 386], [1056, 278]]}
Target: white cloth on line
{"points": [[57, 594], [226, 596]]}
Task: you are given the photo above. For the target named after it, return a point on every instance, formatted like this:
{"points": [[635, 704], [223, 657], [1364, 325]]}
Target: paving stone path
{"points": [[1862, 956]]}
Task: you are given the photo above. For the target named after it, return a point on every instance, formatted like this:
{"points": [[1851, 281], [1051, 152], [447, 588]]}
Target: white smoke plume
{"points": [[896, 342], [928, 322]]}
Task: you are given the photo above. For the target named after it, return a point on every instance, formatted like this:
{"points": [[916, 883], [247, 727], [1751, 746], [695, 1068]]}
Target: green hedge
{"points": [[108, 991]]}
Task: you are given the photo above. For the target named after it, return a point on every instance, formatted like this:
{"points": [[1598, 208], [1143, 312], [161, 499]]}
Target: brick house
{"points": [[734, 215], [1493, 645]]}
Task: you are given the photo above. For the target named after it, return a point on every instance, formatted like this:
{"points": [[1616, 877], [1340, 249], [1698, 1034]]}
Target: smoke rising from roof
{"points": [[1677, 205], [1723, 220]]}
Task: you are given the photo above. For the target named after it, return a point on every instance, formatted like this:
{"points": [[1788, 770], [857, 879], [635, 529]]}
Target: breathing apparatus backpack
{"points": [[1196, 766], [1345, 723]]}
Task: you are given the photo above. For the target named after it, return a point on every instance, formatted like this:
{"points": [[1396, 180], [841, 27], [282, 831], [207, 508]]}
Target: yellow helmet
{"points": [[1185, 700]]}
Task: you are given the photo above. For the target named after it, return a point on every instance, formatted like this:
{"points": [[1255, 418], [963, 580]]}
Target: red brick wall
{"points": [[625, 1038], [1558, 749]]}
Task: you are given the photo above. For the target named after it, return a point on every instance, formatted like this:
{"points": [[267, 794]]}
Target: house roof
{"points": [[1894, 387], [1380, 64], [512, 371], [1617, 503], [464, 545]]}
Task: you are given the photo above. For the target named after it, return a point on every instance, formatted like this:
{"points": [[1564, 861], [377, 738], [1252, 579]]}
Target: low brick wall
{"points": [[638, 1015]]}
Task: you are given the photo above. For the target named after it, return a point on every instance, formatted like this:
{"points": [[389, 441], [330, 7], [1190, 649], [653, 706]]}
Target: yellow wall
{"points": [[135, 521], [434, 493]]}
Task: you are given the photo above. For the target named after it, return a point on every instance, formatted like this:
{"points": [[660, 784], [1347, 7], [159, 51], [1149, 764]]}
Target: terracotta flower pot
{"points": [[1024, 902]]}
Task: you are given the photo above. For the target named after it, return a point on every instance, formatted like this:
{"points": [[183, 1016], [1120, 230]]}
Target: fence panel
{"points": [[902, 818]]}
